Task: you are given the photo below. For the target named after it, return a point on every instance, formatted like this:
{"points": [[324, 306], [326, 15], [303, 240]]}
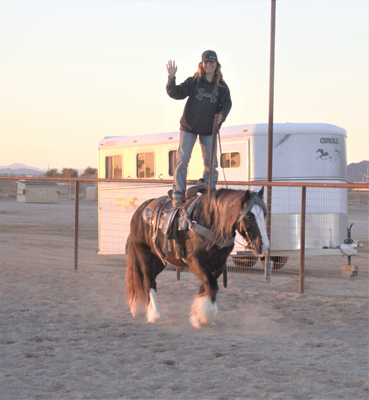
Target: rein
{"points": [[221, 151], [215, 132], [212, 157]]}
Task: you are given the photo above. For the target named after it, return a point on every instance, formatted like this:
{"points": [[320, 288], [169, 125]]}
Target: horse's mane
{"points": [[221, 212]]}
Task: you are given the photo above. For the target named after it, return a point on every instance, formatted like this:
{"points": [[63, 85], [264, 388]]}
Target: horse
{"points": [[223, 212]]}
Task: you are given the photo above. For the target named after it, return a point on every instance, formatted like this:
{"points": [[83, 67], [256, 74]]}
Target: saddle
{"points": [[161, 215]]}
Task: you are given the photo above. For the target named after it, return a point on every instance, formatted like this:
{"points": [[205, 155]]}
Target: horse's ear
{"points": [[261, 192], [247, 196]]}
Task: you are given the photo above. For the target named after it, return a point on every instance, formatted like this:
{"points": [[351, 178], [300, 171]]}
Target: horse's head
{"points": [[251, 222]]}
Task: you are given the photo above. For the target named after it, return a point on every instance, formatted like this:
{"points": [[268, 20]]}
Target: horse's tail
{"points": [[137, 288]]}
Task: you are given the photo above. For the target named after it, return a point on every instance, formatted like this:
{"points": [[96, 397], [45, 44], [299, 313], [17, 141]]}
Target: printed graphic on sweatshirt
{"points": [[213, 96]]}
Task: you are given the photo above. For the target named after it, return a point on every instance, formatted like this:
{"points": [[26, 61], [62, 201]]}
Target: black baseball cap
{"points": [[209, 55]]}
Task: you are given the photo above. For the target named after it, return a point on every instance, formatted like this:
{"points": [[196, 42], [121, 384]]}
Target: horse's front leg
{"points": [[216, 275], [204, 308]]}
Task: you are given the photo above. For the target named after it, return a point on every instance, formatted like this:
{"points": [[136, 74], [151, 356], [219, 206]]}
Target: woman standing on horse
{"points": [[208, 95]]}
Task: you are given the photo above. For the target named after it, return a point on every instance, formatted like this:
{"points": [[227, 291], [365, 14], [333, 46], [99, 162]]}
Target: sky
{"points": [[73, 72]]}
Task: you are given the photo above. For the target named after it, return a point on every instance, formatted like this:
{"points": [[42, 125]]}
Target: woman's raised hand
{"points": [[171, 68]]}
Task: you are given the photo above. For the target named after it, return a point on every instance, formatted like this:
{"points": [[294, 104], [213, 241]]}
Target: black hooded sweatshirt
{"points": [[202, 104]]}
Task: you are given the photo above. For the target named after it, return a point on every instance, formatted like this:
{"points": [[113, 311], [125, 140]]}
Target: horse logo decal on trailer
{"points": [[324, 155]]}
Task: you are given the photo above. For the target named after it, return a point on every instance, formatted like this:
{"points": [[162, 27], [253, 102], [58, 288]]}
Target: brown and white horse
{"points": [[226, 212]]}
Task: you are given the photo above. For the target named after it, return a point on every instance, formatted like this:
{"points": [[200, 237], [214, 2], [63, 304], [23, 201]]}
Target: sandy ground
{"points": [[69, 335]]}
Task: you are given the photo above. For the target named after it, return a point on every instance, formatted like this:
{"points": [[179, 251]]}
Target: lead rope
{"points": [[225, 274], [215, 127], [212, 153], [220, 149]]}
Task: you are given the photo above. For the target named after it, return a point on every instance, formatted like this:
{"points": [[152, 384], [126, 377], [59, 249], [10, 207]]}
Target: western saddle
{"points": [[161, 215]]}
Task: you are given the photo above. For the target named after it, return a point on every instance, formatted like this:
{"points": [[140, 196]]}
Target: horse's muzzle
{"points": [[265, 247], [258, 247]]}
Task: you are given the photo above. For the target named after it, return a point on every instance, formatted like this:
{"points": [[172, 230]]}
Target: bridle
{"points": [[246, 210]]}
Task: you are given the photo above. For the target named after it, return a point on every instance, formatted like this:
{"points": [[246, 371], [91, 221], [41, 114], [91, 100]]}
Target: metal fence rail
{"points": [[307, 264]]}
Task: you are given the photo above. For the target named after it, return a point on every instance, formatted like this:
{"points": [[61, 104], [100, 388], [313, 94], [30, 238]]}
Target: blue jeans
{"points": [[186, 142]]}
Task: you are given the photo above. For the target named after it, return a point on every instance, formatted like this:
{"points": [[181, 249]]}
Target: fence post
{"points": [[76, 212], [302, 240]]}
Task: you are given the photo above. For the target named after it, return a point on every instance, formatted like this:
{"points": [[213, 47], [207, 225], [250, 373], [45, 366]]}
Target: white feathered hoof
{"points": [[154, 312], [137, 308], [203, 311]]}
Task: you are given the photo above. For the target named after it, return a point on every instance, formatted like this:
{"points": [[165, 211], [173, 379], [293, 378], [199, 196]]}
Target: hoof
{"points": [[154, 312], [137, 308], [203, 311]]}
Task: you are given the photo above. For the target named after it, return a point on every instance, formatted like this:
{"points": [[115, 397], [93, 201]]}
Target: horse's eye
{"points": [[249, 215]]}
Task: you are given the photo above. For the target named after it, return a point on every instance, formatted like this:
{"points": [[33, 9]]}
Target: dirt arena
{"points": [[70, 335]]}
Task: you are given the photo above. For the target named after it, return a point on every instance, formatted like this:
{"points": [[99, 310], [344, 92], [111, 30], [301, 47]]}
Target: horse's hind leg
{"points": [[154, 311], [143, 266], [136, 284], [151, 266]]}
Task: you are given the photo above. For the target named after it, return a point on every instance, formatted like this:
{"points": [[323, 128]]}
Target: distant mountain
{"points": [[22, 166], [20, 172], [18, 169], [358, 172]]}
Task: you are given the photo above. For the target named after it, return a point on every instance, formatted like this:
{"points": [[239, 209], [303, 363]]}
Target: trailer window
{"points": [[172, 161], [145, 165], [113, 167], [230, 160]]}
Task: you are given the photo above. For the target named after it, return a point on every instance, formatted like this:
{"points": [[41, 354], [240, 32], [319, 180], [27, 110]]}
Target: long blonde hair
{"points": [[218, 76]]}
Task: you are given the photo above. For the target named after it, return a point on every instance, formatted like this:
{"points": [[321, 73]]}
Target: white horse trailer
{"points": [[302, 152]]}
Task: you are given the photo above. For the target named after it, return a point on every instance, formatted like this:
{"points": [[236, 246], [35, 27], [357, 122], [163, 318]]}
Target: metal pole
{"points": [[271, 92], [349, 241], [76, 212], [270, 130], [270, 119], [302, 239]]}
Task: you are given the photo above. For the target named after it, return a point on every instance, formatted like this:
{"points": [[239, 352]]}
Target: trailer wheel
{"points": [[278, 261], [245, 261]]}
